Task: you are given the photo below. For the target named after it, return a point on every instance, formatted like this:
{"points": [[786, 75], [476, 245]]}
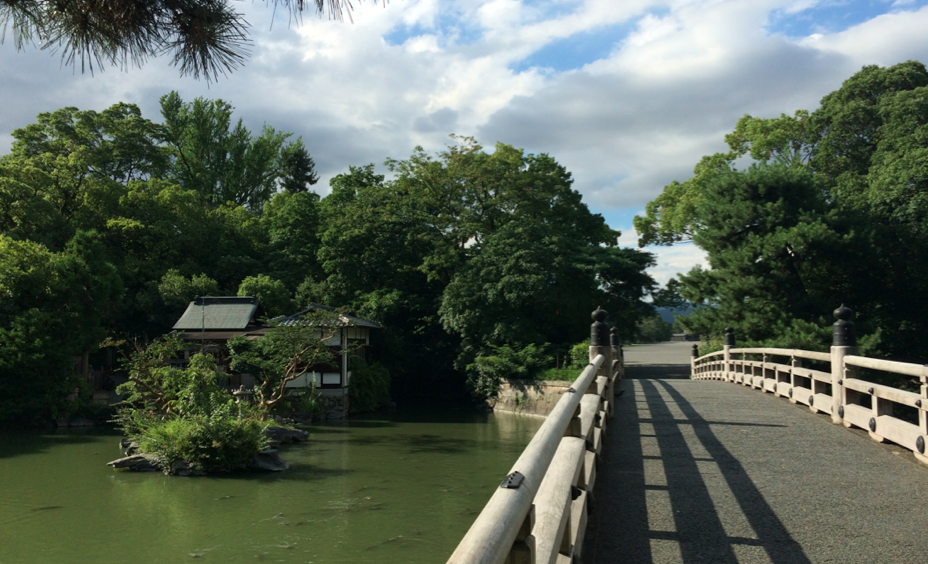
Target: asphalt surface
{"points": [[714, 472]]}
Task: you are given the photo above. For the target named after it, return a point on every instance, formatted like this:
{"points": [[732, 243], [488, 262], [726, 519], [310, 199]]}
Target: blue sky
{"points": [[627, 95]]}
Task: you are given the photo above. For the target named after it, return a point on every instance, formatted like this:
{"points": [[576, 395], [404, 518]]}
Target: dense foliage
{"points": [[653, 329], [833, 209], [370, 386], [111, 223], [465, 252]]}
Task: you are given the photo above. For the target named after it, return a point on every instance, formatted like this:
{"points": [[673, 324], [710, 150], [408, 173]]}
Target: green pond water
{"points": [[401, 488]]}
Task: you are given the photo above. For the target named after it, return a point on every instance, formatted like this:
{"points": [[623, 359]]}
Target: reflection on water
{"points": [[401, 487]]}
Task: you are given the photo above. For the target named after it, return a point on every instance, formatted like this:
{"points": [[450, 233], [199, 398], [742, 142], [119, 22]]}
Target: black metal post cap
{"points": [[873, 424], [843, 313], [843, 328], [729, 336], [841, 411], [599, 331], [920, 444]]}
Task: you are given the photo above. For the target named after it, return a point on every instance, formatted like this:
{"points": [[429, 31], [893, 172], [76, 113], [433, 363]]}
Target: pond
{"points": [[402, 487]]}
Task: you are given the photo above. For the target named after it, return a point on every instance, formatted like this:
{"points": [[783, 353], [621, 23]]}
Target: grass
{"points": [[566, 374]]}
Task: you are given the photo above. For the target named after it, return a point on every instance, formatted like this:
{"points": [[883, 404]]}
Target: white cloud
{"points": [[671, 261], [680, 258], [885, 40]]}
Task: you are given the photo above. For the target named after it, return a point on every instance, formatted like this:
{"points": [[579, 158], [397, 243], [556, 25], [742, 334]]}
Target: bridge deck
{"points": [[707, 471]]}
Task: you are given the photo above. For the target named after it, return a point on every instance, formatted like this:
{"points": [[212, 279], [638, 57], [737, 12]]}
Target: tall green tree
{"points": [[468, 251], [298, 169], [221, 162], [861, 153], [292, 224]]}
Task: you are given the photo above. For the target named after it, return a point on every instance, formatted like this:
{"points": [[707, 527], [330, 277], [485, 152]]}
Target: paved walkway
{"points": [[713, 472]]}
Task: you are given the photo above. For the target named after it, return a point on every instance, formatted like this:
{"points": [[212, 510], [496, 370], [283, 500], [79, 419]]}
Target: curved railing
{"points": [[539, 512], [838, 391]]}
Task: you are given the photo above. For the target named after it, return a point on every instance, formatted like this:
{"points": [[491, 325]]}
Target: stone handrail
{"points": [[538, 514], [848, 399], [792, 353]]}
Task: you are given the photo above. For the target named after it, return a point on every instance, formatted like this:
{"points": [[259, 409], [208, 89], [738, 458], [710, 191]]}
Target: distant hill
{"points": [[667, 313]]}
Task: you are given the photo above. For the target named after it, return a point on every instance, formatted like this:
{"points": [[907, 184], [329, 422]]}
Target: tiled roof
{"points": [[221, 312]]}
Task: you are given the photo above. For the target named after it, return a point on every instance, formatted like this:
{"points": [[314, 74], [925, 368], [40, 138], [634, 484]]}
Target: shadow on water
{"points": [[621, 530], [34, 442], [296, 472], [416, 443]]}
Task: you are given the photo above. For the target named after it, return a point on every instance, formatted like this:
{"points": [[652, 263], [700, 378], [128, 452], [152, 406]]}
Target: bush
{"points": [[485, 373], [580, 354], [563, 374], [300, 401], [369, 386], [219, 442]]}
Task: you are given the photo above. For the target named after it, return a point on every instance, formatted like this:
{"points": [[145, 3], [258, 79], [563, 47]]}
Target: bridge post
{"points": [[922, 422], [618, 357], [600, 345], [729, 344], [693, 361], [844, 343]]}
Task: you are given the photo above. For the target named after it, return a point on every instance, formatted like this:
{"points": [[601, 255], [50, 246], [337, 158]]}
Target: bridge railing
{"points": [[539, 512], [887, 413]]}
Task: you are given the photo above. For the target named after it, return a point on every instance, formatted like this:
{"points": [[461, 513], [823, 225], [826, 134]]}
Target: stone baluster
{"points": [[844, 342]]}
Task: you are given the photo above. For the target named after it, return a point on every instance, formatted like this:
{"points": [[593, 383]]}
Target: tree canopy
{"points": [[470, 251], [834, 208], [116, 222]]}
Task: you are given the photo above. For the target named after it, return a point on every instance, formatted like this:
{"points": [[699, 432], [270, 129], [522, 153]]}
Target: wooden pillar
{"points": [[921, 449], [693, 361], [843, 343], [344, 334], [729, 344]]}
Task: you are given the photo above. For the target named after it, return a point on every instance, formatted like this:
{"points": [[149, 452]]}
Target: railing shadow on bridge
{"points": [[886, 412], [635, 509]]}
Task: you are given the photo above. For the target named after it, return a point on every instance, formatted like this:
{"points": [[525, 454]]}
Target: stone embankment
{"points": [[267, 459], [529, 397]]}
